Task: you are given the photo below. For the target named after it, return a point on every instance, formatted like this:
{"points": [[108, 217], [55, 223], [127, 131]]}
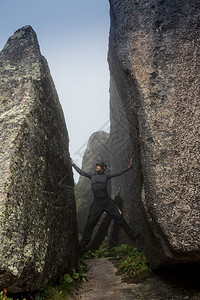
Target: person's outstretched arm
{"points": [[81, 172], [120, 172]]}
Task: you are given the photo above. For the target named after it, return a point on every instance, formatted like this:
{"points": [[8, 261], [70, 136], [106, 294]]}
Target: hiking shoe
{"points": [[83, 244], [83, 247], [133, 236]]}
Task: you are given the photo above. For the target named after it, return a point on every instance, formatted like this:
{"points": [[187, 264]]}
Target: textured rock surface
{"points": [[38, 234], [97, 151], [154, 58]]}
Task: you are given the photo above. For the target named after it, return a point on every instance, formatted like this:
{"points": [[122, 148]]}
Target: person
{"points": [[102, 201]]}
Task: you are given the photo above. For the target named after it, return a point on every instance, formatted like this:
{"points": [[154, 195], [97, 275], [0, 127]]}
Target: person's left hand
{"points": [[131, 163]]}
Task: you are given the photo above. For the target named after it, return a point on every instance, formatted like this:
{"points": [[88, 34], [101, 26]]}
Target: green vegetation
{"points": [[3, 296], [128, 259], [68, 283]]}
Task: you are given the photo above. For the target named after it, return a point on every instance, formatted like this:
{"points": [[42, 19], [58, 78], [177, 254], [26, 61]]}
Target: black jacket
{"points": [[99, 181]]}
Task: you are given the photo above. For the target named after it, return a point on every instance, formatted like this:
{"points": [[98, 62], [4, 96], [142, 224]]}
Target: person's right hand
{"points": [[72, 161]]}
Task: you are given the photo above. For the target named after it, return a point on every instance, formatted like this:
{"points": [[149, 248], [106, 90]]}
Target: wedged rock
{"points": [[97, 151], [154, 58], [38, 232]]}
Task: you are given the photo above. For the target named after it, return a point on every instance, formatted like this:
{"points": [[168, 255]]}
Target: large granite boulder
{"points": [[38, 232], [97, 151], [154, 58]]}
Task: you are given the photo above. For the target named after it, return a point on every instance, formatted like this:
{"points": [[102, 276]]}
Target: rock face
{"points": [[154, 58], [38, 232], [97, 151]]}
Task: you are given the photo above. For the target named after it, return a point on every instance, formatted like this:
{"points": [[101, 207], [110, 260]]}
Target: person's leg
{"points": [[113, 210], [93, 218]]}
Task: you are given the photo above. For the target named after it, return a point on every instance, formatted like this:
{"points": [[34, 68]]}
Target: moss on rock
{"points": [[38, 231]]}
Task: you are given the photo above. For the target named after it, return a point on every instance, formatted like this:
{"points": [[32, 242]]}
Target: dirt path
{"points": [[104, 284]]}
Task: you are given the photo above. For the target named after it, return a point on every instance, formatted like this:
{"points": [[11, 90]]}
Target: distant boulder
{"points": [[38, 232], [97, 151]]}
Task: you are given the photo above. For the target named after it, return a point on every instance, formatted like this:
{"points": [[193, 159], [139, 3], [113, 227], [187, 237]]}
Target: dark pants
{"points": [[96, 210]]}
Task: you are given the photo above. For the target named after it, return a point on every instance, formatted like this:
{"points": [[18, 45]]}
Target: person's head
{"points": [[100, 167]]}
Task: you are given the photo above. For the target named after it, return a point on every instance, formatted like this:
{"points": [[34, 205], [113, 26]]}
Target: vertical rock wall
{"points": [[38, 233], [154, 57], [126, 189]]}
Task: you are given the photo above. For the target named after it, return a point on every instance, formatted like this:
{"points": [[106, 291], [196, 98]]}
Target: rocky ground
{"points": [[104, 284]]}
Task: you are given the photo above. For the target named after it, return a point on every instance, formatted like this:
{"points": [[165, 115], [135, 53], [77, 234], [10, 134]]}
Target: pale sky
{"points": [[73, 37]]}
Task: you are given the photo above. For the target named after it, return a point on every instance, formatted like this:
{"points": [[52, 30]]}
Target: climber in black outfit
{"points": [[102, 201]]}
